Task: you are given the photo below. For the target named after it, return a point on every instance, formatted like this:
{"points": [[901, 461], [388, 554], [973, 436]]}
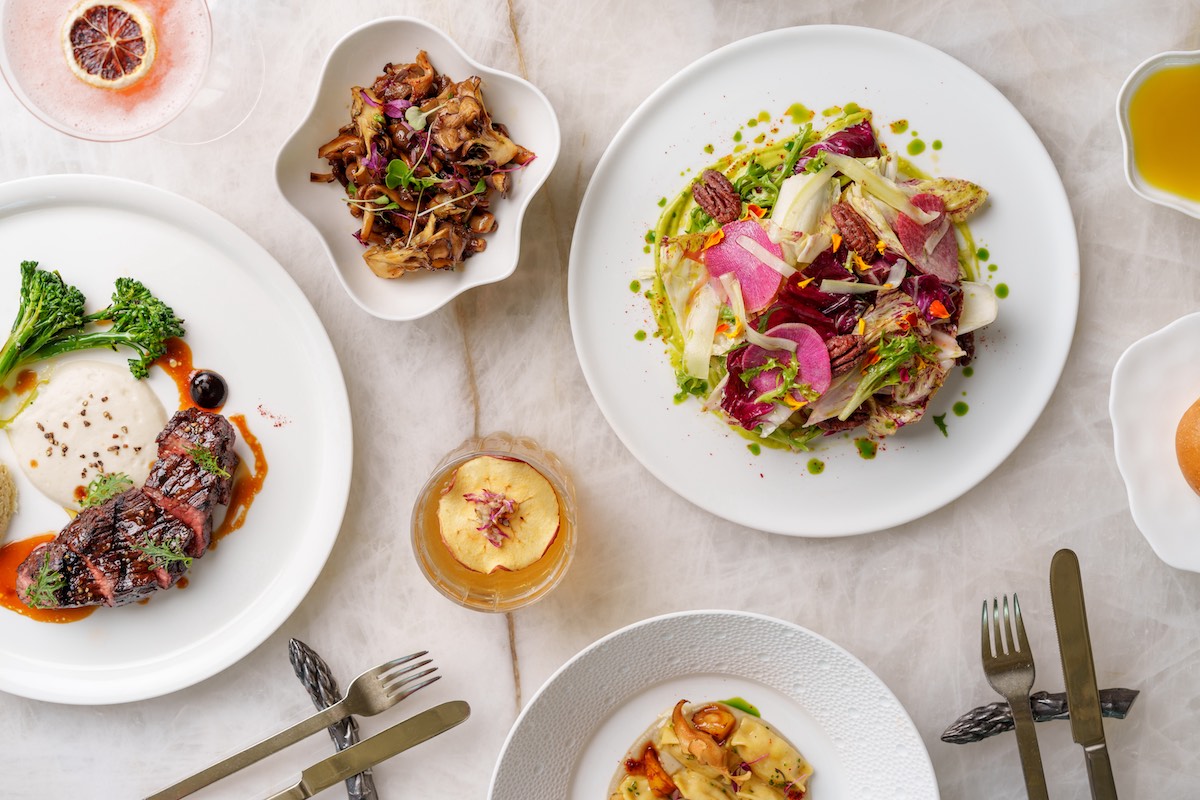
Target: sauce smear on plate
{"points": [[1164, 114]]}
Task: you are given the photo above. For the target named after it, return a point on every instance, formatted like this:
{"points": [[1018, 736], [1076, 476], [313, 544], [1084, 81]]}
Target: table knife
{"points": [[1079, 673], [380, 747]]}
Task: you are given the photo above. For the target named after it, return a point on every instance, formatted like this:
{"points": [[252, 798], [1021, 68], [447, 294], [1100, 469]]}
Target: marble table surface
{"points": [[905, 601]]}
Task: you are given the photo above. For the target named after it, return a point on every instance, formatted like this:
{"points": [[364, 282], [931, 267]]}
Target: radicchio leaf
{"points": [[856, 141]]}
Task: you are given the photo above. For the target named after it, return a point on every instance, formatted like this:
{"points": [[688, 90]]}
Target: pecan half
{"points": [[716, 195], [855, 231], [834, 425], [967, 343], [844, 352]]}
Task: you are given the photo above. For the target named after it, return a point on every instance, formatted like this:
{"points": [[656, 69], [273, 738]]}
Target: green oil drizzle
{"points": [[832, 111], [799, 113], [960, 409], [753, 447], [650, 236], [737, 136], [866, 448], [662, 202], [762, 137], [635, 286], [752, 123], [816, 466], [646, 249], [899, 126], [1002, 290], [940, 421], [937, 144], [708, 148], [982, 254], [916, 147], [992, 267], [640, 336], [968, 372], [742, 705], [763, 116]]}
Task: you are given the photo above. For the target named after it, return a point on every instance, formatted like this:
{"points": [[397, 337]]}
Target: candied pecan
{"points": [[856, 233], [844, 352], [716, 195], [834, 425], [967, 343]]}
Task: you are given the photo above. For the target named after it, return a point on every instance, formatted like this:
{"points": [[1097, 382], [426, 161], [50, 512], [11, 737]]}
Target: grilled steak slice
{"points": [[188, 493], [164, 541], [123, 571], [73, 580], [192, 428]]}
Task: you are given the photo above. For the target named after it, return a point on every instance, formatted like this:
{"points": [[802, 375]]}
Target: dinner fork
{"points": [[1009, 669], [372, 692]]}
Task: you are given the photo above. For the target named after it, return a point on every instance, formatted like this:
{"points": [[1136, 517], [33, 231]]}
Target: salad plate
{"points": [[246, 319], [1153, 384], [947, 121], [574, 732]]}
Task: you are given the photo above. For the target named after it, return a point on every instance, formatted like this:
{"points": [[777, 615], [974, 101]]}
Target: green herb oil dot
{"points": [[650, 236], [737, 136], [799, 113], [992, 267], [708, 148], [751, 123], [960, 409], [816, 466], [646, 249], [982, 254], [866, 448], [968, 372], [899, 126], [764, 116], [1002, 290], [742, 705], [662, 201], [753, 447], [916, 147], [851, 108], [640, 336], [937, 144], [635, 286], [762, 137]]}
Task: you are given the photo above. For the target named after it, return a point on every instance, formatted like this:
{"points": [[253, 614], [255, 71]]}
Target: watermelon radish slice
{"points": [[740, 399], [760, 283], [943, 261], [811, 352]]}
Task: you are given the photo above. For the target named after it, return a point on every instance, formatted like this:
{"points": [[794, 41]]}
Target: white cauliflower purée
{"points": [[88, 418]]}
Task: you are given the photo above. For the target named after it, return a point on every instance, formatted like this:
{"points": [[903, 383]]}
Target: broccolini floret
{"points": [[51, 321]]}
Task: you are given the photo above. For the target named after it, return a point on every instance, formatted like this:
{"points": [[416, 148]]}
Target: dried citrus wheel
{"points": [[108, 44]]}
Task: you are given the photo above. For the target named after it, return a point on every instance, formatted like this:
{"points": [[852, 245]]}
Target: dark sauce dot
{"points": [[208, 389]]}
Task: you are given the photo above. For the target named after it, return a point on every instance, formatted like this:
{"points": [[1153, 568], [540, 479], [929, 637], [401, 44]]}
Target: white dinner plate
{"points": [[247, 320], [1154, 382], [1026, 227], [573, 734]]}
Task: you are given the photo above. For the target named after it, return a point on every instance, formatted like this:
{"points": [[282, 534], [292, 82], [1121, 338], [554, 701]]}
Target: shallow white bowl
{"points": [[1154, 382], [355, 61], [1135, 179]]}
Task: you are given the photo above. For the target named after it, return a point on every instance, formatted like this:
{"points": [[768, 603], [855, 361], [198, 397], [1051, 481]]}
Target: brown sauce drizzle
{"points": [[11, 556], [246, 484], [177, 363]]}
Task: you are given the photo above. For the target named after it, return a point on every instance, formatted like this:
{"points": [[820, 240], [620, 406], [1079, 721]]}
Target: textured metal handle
{"points": [[252, 754], [1027, 746], [1100, 774]]}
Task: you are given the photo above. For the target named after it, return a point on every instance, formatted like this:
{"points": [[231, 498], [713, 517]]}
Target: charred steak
{"points": [[144, 539]]}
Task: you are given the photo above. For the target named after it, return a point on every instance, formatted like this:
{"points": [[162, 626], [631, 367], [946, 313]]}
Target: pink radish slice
{"points": [[811, 352], [759, 282], [943, 261]]}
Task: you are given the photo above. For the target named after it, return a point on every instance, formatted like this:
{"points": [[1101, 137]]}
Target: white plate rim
{"points": [[518, 213], [641, 452], [530, 707], [161, 203]]}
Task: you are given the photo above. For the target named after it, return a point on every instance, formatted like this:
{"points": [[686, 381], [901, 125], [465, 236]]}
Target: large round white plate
{"points": [[1027, 228], [570, 739], [1153, 384], [245, 319]]}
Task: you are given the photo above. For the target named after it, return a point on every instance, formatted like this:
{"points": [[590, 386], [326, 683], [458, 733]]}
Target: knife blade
{"points": [[380, 747], [1079, 672]]}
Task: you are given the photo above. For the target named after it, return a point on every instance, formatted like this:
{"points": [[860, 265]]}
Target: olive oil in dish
{"points": [[1164, 115]]}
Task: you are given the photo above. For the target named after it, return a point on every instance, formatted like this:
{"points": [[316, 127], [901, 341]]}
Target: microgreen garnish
{"points": [[380, 203], [480, 187], [206, 461], [495, 511], [162, 555], [400, 175], [417, 118], [816, 163], [45, 585], [104, 487]]}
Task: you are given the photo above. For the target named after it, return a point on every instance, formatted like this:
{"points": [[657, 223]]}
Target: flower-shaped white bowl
{"points": [[355, 61], [1154, 382], [1135, 179]]}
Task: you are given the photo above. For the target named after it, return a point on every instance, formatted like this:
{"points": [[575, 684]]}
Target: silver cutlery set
{"points": [[373, 692], [1008, 665]]}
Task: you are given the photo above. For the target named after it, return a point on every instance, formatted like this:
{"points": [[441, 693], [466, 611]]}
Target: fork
{"points": [[1009, 669], [372, 692]]}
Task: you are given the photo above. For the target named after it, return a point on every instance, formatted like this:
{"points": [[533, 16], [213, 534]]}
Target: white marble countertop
{"points": [[904, 601]]}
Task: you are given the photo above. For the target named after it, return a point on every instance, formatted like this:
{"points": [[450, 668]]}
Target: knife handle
{"points": [[1027, 746], [1100, 774]]}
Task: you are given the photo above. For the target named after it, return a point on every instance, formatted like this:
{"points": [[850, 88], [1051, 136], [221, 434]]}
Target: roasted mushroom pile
{"points": [[711, 751], [419, 161]]}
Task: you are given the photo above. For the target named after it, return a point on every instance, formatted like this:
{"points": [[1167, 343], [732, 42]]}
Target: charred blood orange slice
{"points": [[110, 44]]}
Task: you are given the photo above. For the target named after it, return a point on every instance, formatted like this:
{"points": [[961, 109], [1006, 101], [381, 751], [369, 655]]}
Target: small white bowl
{"points": [[1155, 381], [1135, 179], [355, 61]]}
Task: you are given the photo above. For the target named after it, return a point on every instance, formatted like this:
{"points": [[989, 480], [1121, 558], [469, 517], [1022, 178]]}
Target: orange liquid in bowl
{"points": [[1164, 121]]}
